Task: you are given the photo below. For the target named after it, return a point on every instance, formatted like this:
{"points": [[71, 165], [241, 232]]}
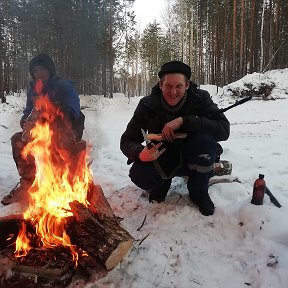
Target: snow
{"points": [[278, 78], [240, 245]]}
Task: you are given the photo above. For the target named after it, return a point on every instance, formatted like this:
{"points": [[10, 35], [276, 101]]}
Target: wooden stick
{"points": [[158, 137]]}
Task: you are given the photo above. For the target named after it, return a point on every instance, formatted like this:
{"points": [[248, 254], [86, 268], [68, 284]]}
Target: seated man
{"points": [[175, 105], [61, 93]]}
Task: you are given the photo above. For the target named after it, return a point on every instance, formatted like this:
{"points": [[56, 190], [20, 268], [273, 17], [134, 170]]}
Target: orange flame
{"points": [[62, 176], [22, 242]]}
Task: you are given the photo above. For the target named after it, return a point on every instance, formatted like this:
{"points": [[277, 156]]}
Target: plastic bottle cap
{"points": [[261, 176]]}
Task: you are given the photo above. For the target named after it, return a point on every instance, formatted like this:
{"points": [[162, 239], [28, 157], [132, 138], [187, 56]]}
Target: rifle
{"points": [[222, 110], [272, 198], [158, 137], [238, 102]]}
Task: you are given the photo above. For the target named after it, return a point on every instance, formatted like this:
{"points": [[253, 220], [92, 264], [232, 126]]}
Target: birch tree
{"points": [[262, 36]]}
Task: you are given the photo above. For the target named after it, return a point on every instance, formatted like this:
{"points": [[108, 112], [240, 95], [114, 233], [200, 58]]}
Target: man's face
{"points": [[41, 73], [173, 87]]}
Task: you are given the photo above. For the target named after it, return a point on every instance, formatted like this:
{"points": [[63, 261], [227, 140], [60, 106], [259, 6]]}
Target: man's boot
{"points": [[197, 185], [159, 194], [19, 193], [204, 203]]}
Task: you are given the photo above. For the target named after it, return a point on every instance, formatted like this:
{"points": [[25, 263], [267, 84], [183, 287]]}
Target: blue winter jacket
{"points": [[61, 92]]}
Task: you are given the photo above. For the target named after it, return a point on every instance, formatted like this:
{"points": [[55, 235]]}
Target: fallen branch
{"points": [[143, 239], [142, 223], [223, 179]]}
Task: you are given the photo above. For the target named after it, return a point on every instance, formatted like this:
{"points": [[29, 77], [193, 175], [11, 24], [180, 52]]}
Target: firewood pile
{"points": [[94, 229], [40, 268]]}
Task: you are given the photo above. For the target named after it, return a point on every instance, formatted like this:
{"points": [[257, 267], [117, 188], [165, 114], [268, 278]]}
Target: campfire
{"points": [[68, 222]]}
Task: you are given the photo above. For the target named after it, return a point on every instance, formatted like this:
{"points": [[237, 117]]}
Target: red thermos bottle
{"points": [[258, 190]]}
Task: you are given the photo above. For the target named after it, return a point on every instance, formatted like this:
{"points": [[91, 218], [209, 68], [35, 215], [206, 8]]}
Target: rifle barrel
{"points": [[236, 104], [272, 198]]}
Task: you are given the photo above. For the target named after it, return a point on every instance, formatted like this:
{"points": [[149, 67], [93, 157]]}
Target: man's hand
{"points": [[151, 154], [168, 132], [29, 123]]}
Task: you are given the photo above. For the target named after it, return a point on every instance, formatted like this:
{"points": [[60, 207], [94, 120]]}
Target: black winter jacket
{"points": [[151, 116]]}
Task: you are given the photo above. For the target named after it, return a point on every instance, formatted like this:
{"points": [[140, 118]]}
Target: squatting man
{"points": [[175, 105]]}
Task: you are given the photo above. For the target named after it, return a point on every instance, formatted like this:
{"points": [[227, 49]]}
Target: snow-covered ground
{"points": [[241, 245]]}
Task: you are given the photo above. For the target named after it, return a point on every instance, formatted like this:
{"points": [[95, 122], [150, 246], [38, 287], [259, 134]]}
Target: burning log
{"points": [[9, 229], [106, 240], [97, 230], [98, 202], [93, 228]]}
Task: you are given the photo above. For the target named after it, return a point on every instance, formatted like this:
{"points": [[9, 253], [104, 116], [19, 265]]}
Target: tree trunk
{"points": [[110, 57], [251, 44], [240, 74], [2, 53], [262, 37], [277, 33], [234, 40]]}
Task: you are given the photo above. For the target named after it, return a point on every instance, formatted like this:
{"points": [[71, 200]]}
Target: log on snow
{"points": [[102, 238]]}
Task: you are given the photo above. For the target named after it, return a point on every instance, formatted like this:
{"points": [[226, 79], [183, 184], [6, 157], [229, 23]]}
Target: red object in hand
{"points": [[258, 190]]}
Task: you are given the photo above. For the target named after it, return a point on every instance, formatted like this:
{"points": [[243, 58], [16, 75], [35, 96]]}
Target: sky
{"points": [[147, 11], [241, 245]]}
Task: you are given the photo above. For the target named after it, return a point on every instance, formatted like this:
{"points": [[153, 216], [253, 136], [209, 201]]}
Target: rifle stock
{"points": [[158, 137]]}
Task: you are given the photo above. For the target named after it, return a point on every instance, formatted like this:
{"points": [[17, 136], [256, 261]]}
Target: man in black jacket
{"points": [[174, 106]]}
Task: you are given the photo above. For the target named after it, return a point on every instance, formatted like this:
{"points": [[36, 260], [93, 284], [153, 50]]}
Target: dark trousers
{"points": [[26, 167], [199, 153]]}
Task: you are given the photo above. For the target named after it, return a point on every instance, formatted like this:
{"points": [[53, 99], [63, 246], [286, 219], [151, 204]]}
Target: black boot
{"points": [[19, 193], [159, 194], [205, 204], [198, 192]]}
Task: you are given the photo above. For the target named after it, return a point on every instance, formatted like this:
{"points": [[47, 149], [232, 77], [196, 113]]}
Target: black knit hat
{"points": [[175, 67], [42, 60]]}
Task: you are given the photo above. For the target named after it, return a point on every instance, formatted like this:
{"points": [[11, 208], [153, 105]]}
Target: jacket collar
{"points": [[154, 100]]}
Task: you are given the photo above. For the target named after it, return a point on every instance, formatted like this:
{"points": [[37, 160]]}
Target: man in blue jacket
{"points": [[61, 93], [175, 105]]}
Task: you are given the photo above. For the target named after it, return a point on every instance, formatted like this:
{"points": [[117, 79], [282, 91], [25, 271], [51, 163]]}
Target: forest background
{"points": [[97, 44]]}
